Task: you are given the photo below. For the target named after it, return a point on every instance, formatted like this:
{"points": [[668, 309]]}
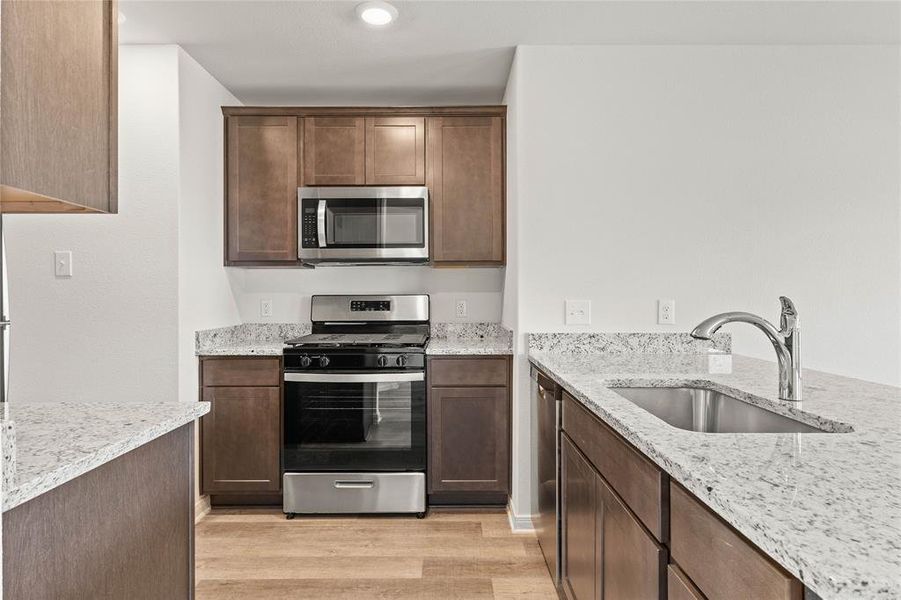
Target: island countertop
{"points": [[55, 442], [826, 506]]}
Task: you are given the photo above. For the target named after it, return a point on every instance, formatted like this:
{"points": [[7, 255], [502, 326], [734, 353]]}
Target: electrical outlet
{"points": [[578, 312], [266, 308], [460, 309], [666, 312], [62, 263]]}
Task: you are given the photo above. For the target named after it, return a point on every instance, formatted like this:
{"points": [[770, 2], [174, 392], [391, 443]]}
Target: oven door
{"points": [[374, 224], [355, 421]]}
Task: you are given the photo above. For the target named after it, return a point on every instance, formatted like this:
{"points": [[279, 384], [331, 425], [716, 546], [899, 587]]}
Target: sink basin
{"points": [[697, 409]]}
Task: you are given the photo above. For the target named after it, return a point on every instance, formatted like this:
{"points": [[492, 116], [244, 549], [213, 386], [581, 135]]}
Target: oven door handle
{"points": [[354, 377]]}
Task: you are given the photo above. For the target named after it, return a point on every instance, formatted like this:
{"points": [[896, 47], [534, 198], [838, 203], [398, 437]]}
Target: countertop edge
{"points": [[61, 475], [773, 547]]}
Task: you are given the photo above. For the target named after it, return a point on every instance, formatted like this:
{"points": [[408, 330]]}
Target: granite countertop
{"points": [[55, 442], [268, 339], [826, 506]]}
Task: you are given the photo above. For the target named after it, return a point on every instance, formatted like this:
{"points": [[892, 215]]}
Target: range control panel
{"points": [[370, 306], [308, 231]]}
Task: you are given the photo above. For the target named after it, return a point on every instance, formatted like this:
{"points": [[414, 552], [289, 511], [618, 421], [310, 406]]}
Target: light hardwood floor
{"points": [[257, 553]]}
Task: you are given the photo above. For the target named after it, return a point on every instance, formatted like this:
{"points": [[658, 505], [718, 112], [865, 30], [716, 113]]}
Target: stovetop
{"points": [[376, 340]]}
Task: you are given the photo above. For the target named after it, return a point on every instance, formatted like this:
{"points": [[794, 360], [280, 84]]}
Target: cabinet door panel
{"points": [[395, 150], [679, 586], [579, 524], [241, 440], [469, 439], [632, 563], [262, 189], [465, 175], [334, 151]]}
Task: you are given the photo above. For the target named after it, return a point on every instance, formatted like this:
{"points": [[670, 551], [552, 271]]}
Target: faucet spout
{"points": [[786, 342]]}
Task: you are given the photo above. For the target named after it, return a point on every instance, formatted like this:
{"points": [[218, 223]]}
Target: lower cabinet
{"points": [[469, 430], [630, 533], [606, 551], [241, 436]]}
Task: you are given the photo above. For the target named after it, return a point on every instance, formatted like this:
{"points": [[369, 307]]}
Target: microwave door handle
{"points": [[320, 223]]}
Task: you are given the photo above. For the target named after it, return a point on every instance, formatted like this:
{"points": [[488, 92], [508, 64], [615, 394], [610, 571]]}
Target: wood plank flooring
{"points": [[453, 555]]}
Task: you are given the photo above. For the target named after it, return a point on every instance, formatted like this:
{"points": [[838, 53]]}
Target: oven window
{"points": [[332, 416], [375, 223]]}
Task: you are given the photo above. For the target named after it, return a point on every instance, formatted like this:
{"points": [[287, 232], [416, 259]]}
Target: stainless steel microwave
{"points": [[363, 225]]}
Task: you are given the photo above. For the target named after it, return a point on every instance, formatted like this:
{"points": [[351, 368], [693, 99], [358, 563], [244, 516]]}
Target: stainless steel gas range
{"points": [[355, 394]]}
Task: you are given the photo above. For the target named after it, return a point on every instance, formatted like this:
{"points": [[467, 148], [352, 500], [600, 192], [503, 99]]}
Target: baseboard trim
{"points": [[201, 508], [519, 523]]}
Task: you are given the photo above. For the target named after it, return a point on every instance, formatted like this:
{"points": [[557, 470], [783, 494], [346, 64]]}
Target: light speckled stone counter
{"points": [[56, 442], [462, 339], [826, 506], [248, 339]]}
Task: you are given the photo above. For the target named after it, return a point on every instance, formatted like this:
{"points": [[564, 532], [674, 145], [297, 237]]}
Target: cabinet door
{"points": [[579, 523], [58, 107], [334, 151], [395, 150], [261, 217], [469, 439], [465, 175], [632, 563], [241, 440]]}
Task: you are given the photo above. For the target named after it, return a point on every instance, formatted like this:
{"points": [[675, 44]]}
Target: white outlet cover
{"points": [[265, 308], [666, 312], [460, 309], [578, 312]]}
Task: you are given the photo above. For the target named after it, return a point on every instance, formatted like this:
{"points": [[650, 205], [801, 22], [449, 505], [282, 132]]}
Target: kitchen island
{"points": [[825, 506], [98, 500]]}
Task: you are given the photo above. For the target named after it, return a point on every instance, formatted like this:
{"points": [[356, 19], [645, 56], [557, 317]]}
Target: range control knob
{"points": [[305, 361], [323, 361], [401, 360], [383, 361]]}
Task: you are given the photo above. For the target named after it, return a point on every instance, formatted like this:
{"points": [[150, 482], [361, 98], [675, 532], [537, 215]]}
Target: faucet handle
{"points": [[788, 320]]}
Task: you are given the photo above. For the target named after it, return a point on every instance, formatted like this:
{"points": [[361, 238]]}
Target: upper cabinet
{"points": [[458, 152], [395, 150], [261, 189], [58, 106], [334, 151], [465, 177]]}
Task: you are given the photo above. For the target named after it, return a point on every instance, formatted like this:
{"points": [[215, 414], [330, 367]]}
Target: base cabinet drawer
{"points": [[720, 561], [679, 586]]}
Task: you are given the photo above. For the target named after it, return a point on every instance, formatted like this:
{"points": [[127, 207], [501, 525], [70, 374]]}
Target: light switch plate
{"points": [[666, 312], [62, 263], [578, 312], [265, 308]]}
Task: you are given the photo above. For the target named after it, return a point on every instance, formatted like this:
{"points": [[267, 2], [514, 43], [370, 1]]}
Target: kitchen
{"points": [[540, 213]]}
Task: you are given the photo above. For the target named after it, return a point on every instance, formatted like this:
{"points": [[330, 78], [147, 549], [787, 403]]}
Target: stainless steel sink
{"points": [[697, 409]]}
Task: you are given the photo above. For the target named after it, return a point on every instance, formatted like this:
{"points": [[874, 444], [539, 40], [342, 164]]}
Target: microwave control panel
{"points": [[309, 236]]}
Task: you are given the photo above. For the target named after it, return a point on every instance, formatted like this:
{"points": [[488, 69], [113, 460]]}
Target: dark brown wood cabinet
{"points": [[241, 436], [334, 151], [465, 176], [395, 150], [606, 551], [261, 189], [458, 152], [469, 430], [623, 520], [58, 107]]}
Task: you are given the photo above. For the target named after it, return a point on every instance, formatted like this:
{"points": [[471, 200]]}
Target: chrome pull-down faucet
{"points": [[786, 341]]}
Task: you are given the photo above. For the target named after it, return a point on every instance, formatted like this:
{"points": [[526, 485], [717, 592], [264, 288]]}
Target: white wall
{"points": [[205, 297], [720, 176], [109, 332], [290, 289]]}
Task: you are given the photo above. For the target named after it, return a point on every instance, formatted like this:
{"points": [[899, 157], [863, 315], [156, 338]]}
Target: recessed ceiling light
{"points": [[121, 18], [376, 12]]}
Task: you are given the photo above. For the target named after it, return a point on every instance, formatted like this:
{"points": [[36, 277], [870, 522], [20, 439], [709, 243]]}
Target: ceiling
{"points": [[455, 52]]}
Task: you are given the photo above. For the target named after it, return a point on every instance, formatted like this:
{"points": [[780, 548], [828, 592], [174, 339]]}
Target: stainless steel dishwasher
{"points": [[547, 395]]}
